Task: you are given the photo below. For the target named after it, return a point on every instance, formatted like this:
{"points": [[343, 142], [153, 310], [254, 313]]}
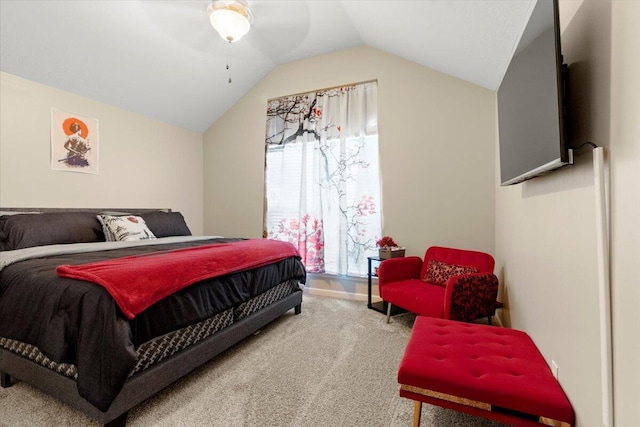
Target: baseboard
{"points": [[497, 320], [337, 294], [363, 297], [351, 288]]}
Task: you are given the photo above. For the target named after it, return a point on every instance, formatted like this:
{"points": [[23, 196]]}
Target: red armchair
{"points": [[450, 283]]}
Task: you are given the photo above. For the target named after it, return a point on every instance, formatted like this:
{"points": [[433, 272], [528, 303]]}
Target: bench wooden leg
{"points": [[388, 311], [417, 413]]}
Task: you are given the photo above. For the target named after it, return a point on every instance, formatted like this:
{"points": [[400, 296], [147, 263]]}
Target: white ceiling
{"points": [[162, 59]]}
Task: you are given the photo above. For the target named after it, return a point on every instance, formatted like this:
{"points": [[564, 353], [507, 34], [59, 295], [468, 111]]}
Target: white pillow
{"points": [[124, 228]]}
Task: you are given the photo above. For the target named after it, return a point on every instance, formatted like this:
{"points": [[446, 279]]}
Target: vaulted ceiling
{"points": [[162, 59]]}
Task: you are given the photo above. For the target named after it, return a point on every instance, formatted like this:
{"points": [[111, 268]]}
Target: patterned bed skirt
{"points": [[165, 346]]}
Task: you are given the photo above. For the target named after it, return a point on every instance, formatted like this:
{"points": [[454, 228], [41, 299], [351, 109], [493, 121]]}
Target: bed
{"points": [[103, 308]]}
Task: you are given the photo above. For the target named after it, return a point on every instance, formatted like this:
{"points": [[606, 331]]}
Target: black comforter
{"points": [[78, 322]]}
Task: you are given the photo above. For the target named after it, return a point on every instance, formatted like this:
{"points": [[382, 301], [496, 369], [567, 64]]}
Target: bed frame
{"points": [[149, 381]]}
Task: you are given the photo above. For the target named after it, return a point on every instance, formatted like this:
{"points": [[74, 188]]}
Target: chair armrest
{"points": [[396, 269], [470, 296]]}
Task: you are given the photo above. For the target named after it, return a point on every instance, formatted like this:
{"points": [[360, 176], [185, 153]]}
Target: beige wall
{"points": [[436, 145], [625, 208], [546, 228], [143, 163]]}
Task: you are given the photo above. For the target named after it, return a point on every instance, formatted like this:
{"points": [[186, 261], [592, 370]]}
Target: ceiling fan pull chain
{"points": [[229, 60]]}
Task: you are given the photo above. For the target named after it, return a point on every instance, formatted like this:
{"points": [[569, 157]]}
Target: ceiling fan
{"points": [[272, 27]]}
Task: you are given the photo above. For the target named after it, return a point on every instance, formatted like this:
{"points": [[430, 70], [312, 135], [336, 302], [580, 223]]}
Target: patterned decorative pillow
{"points": [[439, 272], [124, 228]]}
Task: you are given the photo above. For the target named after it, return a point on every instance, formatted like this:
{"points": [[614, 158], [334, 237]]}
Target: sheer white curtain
{"points": [[322, 176]]}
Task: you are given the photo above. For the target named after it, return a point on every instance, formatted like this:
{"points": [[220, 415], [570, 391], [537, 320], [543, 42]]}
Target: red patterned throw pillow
{"points": [[439, 272]]}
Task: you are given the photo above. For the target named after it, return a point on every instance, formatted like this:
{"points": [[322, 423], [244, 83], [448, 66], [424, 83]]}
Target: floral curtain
{"points": [[322, 176]]}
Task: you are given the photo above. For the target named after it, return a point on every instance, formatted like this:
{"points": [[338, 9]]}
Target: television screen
{"points": [[530, 101]]}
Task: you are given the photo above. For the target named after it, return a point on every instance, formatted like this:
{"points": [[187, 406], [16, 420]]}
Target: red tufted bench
{"points": [[487, 371]]}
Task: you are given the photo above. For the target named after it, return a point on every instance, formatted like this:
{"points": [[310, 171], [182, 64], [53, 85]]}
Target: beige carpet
{"points": [[333, 365]]}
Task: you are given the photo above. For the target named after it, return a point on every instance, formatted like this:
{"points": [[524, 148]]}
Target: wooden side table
{"points": [[380, 306]]}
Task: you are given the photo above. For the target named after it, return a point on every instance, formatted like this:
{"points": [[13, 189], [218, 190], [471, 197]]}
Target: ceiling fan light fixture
{"points": [[232, 19]]}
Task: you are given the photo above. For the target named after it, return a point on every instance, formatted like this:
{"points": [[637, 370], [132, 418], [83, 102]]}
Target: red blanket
{"points": [[137, 282]]}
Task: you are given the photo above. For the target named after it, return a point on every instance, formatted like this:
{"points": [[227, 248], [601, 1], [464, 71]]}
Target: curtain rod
{"points": [[323, 89]]}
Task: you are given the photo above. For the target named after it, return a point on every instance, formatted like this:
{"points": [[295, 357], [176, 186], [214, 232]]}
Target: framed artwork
{"points": [[74, 142]]}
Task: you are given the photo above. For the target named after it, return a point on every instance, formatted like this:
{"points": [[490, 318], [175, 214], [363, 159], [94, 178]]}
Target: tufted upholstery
{"points": [[482, 370], [464, 297]]}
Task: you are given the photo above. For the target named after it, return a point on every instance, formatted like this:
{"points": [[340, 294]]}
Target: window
{"points": [[322, 184]]}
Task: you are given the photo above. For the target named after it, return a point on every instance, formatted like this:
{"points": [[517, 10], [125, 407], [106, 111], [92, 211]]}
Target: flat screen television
{"points": [[531, 101]]}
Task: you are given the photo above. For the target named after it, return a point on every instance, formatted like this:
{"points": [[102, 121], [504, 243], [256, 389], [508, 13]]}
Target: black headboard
{"points": [[127, 210]]}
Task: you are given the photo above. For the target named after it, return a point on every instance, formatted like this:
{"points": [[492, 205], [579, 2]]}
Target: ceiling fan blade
{"points": [[274, 32], [186, 22]]}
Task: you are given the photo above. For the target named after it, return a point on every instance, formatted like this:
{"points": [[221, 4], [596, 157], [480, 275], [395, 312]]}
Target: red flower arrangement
{"points": [[386, 242]]}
